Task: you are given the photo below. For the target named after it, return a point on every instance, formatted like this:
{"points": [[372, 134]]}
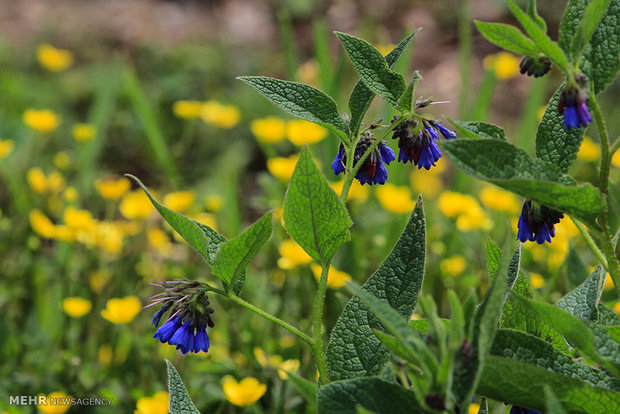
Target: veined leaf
{"points": [[477, 129], [553, 405], [507, 37], [406, 101], [583, 300], [533, 13], [180, 402]]}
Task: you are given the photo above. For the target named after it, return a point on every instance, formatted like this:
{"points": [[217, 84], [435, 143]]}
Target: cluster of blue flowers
{"points": [[537, 222], [372, 171], [573, 103]]}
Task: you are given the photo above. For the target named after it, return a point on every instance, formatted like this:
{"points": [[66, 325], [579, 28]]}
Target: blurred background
{"points": [[91, 90]]}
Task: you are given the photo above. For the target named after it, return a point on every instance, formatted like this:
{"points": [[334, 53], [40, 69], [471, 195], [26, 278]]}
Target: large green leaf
{"points": [[313, 214], [361, 96], [373, 69], [553, 405], [477, 129], [507, 37], [513, 169], [494, 258], [583, 300], [576, 271], [353, 349], [607, 316], [306, 388], [180, 402], [301, 100]]}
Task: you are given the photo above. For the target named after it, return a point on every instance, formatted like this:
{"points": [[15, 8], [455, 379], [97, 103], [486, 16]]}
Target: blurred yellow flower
{"points": [[121, 310], [62, 160], [469, 215], [290, 365], [537, 280], [395, 199], [109, 237], [269, 130], [609, 284], [616, 308], [99, 279], [42, 225], [159, 240], [55, 403], [301, 132], [287, 341], [500, 200], [221, 116], [37, 180], [292, 255], [473, 408], [308, 72], [474, 219], [385, 48], [6, 147], [84, 132], [55, 182], [135, 205], [589, 150], [63, 233], [453, 266], [503, 64], [335, 278], [76, 306], [79, 219], [427, 183], [281, 167], [157, 404], [214, 202], [357, 191], [263, 360], [70, 194], [615, 159], [204, 218], [179, 201], [112, 189], [187, 109], [43, 120], [245, 392], [541, 112], [53, 59]]}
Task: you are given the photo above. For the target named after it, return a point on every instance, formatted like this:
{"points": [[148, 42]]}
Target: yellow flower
{"points": [[187, 109], [453, 266], [52, 59], [6, 147], [469, 215], [43, 120], [41, 224], [79, 219], [609, 284], [206, 219], [99, 279], [292, 255], [76, 307], [70, 194], [588, 151], [616, 308], [113, 189], [357, 191], [503, 64], [63, 233], [109, 236], [474, 219], [281, 167], [269, 129], [84, 132], [615, 159], [263, 360], [308, 72], [55, 182], [179, 201], [541, 112], [427, 183], [105, 355], [245, 392], [221, 116], [62, 160], [214, 202], [37, 180], [537, 280], [290, 365], [157, 404], [287, 341], [499, 200], [301, 132], [473, 408], [55, 403], [121, 310], [385, 48], [136, 205], [395, 199], [335, 278], [159, 240]]}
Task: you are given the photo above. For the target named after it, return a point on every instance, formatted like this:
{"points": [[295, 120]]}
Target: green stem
{"points": [[317, 317], [614, 147], [271, 318], [590, 242]]}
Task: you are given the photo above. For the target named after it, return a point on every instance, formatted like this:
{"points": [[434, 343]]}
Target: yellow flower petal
{"points": [[84, 132], [395, 199], [269, 129], [246, 392], [76, 306], [301, 132], [43, 120], [121, 310], [53, 59]]}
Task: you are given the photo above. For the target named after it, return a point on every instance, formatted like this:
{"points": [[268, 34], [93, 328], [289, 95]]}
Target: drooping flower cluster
{"points": [[537, 222], [190, 314], [416, 140], [535, 66], [573, 103], [522, 410], [372, 170]]}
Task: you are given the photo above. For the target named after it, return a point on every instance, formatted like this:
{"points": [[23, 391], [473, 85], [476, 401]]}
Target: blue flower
{"points": [[573, 104], [447, 134], [535, 66], [201, 340], [338, 163], [167, 330], [521, 410], [537, 223], [372, 171], [183, 338], [159, 314], [417, 142]]}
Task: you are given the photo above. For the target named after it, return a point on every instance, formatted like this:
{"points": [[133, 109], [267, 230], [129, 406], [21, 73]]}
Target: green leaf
{"points": [[540, 38], [554, 143], [592, 16], [576, 271], [374, 394], [361, 97], [553, 404], [306, 388], [235, 255], [477, 129], [507, 37], [607, 316], [373, 68], [583, 300], [313, 214], [405, 103], [531, 11], [302, 101], [519, 383], [180, 402], [494, 258], [513, 169], [353, 349]]}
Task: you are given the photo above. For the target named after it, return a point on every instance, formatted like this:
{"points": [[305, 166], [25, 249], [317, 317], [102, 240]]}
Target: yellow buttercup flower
{"points": [[221, 116], [246, 392], [395, 199], [37, 180], [428, 183], [105, 355], [301, 132], [136, 205], [609, 283], [179, 201], [385, 48], [282, 167], [473, 408], [55, 403], [63, 233], [292, 255], [615, 159], [269, 130], [541, 112], [84, 132], [204, 218], [41, 224], [335, 278], [159, 240], [62, 160], [453, 266], [290, 365], [357, 191], [121, 310], [112, 189], [157, 404], [616, 308], [537, 280], [187, 109], [109, 236], [214, 202], [263, 360], [589, 150], [6, 147], [474, 219], [70, 194], [79, 219], [452, 204], [53, 59], [55, 182], [99, 279], [76, 307], [499, 200], [43, 120], [503, 64]]}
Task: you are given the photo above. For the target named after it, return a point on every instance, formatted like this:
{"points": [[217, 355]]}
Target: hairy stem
{"points": [[590, 242], [317, 317]]}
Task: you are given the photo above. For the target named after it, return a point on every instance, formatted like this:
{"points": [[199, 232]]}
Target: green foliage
{"points": [[180, 401], [584, 299], [533, 13], [553, 404], [306, 388], [477, 129], [407, 99], [508, 37], [313, 214], [592, 16], [576, 271], [494, 258]]}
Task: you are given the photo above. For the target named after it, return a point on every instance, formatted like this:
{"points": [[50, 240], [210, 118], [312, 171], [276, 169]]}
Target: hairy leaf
{"points": [[583, 300], [507, 37], [180, 402], [477, 129]]}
